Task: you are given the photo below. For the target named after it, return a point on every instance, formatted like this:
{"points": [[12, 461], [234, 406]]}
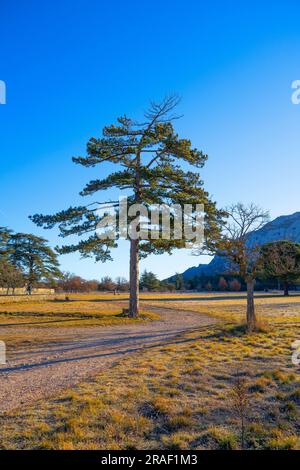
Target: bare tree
{"points": [[241, 251], [240, 403]]}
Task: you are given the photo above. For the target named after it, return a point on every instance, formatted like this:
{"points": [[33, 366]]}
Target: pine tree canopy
{"points": [[281, 260], [31, 255], [152, 166]]}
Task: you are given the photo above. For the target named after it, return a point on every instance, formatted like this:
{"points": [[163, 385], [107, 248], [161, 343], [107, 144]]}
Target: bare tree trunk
{"points": [[134, 279], [251, 318], [286, 288], [243, 433]]}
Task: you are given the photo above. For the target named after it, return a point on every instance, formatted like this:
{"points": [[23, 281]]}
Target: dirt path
{"points": [[81, 352]]}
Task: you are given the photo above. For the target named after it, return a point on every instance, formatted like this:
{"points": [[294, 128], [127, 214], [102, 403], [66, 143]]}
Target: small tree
{"points": [[241, 252], [10, 277], [69, 282], [91, 285], [179, 281], [240, 404], [149, 281], [122, 284], [222, 284], [72, 283], [209, 286], [154, 166], [235, 285], [281, 260], [75, 284], [107, 284], [33, 257], [167, 286]]}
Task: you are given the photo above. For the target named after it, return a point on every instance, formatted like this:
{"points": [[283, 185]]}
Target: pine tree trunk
{"points": [[30, 278], [286, 288], [251, 318], [134, 279]]}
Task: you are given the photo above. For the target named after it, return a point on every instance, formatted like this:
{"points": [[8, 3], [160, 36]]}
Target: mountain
{"points": [[285, 227]]}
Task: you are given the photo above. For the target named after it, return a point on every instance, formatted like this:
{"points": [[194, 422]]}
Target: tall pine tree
{"points": [[156, 167]]}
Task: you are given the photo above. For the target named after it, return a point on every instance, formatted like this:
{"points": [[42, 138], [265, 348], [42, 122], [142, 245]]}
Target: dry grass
{"points": [[231, 306], [178, 396], [21, 315], [55, 310]]}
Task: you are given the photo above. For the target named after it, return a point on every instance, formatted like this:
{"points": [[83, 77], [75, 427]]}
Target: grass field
{"points": [[179, 396], [55, 311], [77, 309]]}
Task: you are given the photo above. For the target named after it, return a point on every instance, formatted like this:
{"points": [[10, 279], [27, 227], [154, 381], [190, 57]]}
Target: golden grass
{"points": [[177, 396], [231, 306], [21, 315], [55, 310]]}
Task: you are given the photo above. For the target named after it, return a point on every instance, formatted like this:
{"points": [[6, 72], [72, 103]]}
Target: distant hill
{"points": [[285, 227]]}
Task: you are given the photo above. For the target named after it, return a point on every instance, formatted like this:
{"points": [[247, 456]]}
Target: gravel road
{"points": [[79, 352]]}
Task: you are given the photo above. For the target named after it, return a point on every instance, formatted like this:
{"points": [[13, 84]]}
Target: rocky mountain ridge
{"points": [[285, 227]]}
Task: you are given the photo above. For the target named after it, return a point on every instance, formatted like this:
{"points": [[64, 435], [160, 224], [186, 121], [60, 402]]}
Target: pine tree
{"points": [[179, 281], [33, 257], [149, 281], [281, 260], [147, 156]]}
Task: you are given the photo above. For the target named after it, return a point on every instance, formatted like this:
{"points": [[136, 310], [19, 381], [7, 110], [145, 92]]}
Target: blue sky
{"points": [[71, 67]]}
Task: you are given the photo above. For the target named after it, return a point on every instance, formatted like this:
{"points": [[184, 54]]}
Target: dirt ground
{"points": [[67, 355]]}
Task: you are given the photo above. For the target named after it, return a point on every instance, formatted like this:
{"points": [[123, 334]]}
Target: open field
{"points": [[177, 394], [231, 306], [20, 316], [43, 361], [79, 309]]}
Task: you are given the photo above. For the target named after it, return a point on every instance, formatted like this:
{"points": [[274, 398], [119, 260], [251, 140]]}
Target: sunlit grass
{"points": [[62, 310], [231, 306], [20, 316]]}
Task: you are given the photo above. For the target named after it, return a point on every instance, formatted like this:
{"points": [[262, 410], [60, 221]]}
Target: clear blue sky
{"points": [[73, 66]]}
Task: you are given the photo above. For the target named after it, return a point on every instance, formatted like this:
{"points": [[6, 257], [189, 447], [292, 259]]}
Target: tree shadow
{"points": [[177, 339], [218, 297]]}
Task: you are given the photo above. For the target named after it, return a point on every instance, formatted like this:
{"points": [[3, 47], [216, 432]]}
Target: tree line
{"points": [[73, 283], [279, 270], [26, 260]]}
